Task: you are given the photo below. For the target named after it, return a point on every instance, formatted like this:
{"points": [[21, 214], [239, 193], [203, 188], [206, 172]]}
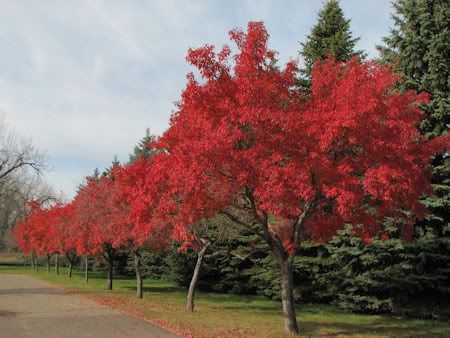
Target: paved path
{"points": [[32, 308]]}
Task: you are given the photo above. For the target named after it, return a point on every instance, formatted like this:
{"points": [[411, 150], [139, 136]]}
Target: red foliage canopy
{"points": [[42, 231], [147, 226], [100, 216], [246, 142], [103, 217]]}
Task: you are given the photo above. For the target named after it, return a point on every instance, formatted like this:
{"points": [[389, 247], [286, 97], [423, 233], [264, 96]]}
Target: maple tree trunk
{"points": [[71, 262], [198, 265], [110, 259], [287, 295], [56, 264], [32, 261], [48, 263], [86, 269], [110, 275], [36, 263], [138, 271]]}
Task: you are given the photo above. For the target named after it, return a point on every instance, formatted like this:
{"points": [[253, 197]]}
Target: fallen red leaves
{"points": [[137, 309]]}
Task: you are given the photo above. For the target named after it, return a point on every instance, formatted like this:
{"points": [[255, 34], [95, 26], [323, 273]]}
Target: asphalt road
{"points": [[32, 308]]}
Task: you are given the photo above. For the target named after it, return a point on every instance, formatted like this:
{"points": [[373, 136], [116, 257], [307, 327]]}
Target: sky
{"points": [[84, 79]]}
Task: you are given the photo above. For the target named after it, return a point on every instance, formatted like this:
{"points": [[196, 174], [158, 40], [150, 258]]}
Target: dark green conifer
{"points": [[418, 46], [330, 35], [143, 147]]}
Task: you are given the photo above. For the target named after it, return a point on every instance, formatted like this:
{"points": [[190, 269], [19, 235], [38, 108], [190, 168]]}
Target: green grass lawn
{"points": [[228, 315]]}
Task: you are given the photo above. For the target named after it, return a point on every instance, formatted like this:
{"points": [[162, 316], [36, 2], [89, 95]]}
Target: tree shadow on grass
{"points": [[217, 298], [232, 301], [93, 274], [158, 289]]}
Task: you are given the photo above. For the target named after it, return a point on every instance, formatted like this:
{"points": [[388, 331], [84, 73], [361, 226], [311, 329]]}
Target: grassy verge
{"points": [[219, 315]]}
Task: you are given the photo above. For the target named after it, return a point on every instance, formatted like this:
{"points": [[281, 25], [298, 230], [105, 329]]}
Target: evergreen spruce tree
{"points": [[95, 176], [227, 267], [389, 276], [330, 35], [115, 161], [418, 46], [143, 147]]}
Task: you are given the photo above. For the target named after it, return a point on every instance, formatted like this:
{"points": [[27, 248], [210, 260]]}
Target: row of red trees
{"points": [[248, 145], [96, 223]]}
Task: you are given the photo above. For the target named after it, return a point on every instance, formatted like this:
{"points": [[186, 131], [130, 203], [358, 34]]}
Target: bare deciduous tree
{"points": [[18, 153], [21, 168]]}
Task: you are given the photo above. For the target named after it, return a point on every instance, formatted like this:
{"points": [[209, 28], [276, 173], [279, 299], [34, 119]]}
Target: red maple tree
{"points": [[66, 239], [96, 228], [39, 234], [246, 143], [140, 233], [25, 230], [103, 224]]}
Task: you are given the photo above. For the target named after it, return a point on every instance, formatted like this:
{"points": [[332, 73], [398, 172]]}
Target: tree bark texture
{"points": [[110, 261], [48, 263], [138, 271], [86, 268], [190, 298], [287, 295], [71, 258], [56, 264]]}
